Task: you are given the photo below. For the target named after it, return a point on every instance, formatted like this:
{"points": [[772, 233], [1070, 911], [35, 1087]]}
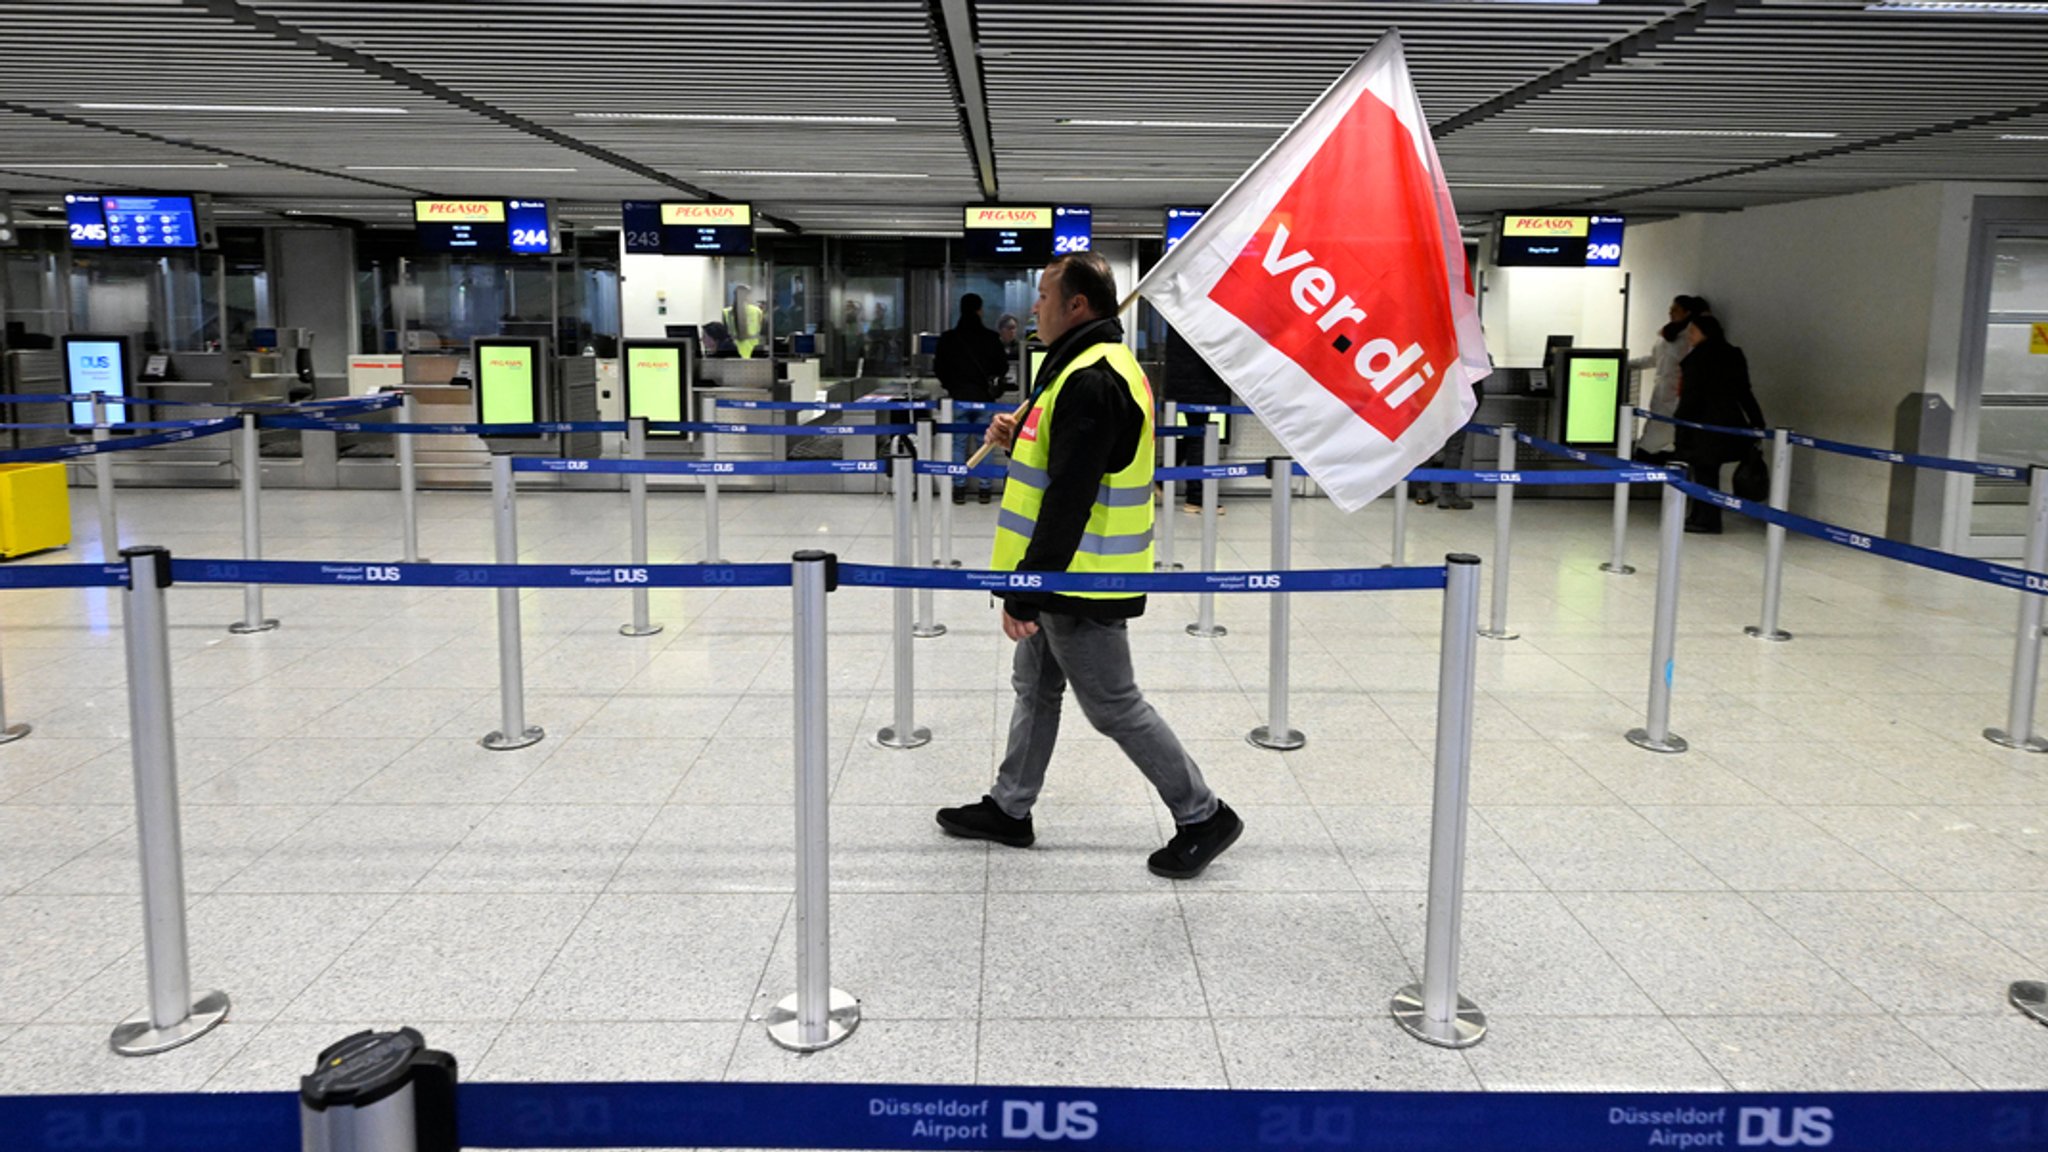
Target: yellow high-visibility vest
{"points": [[749, 340]]}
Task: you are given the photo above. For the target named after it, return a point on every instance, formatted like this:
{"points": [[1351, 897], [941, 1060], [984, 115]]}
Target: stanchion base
{"points": [[1619, 569], [244, 628], [499, 742], [950, 564], [16, 732], [1777, 634], [1672, 742], [1503, 634], [415, 560], [919, 737], [840, 1021], [1159, 567], [136, 1037], [927, 631], [2004, 739], [1209, 633], [2031, 997], [1262, 737], [636, 630], [1465, 1028]]}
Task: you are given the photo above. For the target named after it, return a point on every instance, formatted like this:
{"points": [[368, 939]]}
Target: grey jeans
{"points": [[1095, 657]]}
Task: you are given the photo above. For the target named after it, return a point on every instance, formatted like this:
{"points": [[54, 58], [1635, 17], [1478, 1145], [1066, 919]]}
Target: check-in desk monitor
{"points": [[1589, 395], [511, 379], [656, 377], [96, 364]]}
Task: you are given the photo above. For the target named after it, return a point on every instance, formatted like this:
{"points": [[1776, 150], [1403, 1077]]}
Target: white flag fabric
{"points": [[1328, 287]]}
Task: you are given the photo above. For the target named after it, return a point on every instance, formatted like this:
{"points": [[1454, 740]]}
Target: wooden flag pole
{"points": [[982, 452]]}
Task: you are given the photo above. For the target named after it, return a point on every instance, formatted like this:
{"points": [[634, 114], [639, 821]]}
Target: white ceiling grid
{"points": [[844, 115]]}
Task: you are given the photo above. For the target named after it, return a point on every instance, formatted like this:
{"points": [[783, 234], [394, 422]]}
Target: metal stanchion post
{"points": [[9, 733], [923, 486], [1400, 556], [1205, 624], [513, 731], [1766, 627], [816, 1015], [173, 1016], [408, 481], [1503, 538], [904, 733], [249, 450], [636, 487], [946, 559], [1274, 733], [710, 442], [1656, 735], [1625, 450], [1432, 1011], [380, 1092], [1169, 448], [2026, 656], [103, 481]]}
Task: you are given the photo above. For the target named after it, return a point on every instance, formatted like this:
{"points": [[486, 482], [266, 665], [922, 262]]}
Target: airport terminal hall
{"points": [[991, 574]]}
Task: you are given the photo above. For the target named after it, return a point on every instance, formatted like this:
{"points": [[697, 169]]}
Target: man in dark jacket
{"points": [[1190, 380], [1079, 499], [1713, 388], [969, 365]]}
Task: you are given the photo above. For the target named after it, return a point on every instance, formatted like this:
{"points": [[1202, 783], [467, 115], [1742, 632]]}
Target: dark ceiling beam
{"points": [[953, 26], [1634, 44], [208, 149], [362, 61]]}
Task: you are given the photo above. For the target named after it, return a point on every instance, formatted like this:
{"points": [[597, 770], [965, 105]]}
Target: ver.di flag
{"points": [[1328, 287]]}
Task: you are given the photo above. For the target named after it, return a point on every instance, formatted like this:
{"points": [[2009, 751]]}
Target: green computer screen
{"points": [[507, 382], [654, 381], [1592, 397]]}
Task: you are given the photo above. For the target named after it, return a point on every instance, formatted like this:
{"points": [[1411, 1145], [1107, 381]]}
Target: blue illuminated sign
{"points": [[1179, 222], [527, 221], [1073, 228], [87, 221], [150, 222], [1603, 241]]}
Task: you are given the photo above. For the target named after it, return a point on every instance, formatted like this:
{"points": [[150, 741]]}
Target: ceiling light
{"points": [[267, 109], [1552, 187], [1126, 179], [1938, 6], [81, 167], [2016, 136], [1682, 132], [815, 175], [441, 168], [1174, 124], [737, 117]]}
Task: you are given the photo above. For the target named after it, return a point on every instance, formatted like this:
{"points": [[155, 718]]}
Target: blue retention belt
{"points": [[982, 405], [42, 399], [1215, 409], [1296, 580], [96, 447], [946, 468], [1209, 472], [65, 576], [543, 428], [1543, 479], [831, 405], [1941, 463], [986, 1118], [702, 467], [1751, 433], [783, 429], [481, 575], [129, 426], [2003, 575]]}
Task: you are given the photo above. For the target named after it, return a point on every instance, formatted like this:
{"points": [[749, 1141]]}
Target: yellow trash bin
{"points": [[35, 509]]}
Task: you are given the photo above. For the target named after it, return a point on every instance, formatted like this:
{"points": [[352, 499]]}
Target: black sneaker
{"points": [[1194, 846], [984, 495], [984, 821], [1455, 503], [959, 495]]}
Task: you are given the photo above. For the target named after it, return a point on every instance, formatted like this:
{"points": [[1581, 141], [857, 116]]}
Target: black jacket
{"points": [[1189, 379], [1713, 388], [969, 361], [1098, 432]]}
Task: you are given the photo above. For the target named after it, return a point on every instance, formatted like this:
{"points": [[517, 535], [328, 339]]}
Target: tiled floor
{"points": [[1831, 890]]}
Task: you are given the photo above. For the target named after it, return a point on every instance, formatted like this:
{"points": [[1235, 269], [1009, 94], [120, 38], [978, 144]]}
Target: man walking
{"points": [[968, 363], [1079, 499]]}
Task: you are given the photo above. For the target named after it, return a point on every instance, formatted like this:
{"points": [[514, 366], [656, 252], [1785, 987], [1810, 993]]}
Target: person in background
{"points": [[1007, 330], [1078, 500], [969, 365], [1713, 388], [743, 321], [1190, 380], [1654, 445], [717, 341], [1450, 456]]}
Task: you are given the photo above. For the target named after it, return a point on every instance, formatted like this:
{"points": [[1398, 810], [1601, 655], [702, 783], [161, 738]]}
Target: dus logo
{"points": [[385, 574], [1856, 541], [86, 1130], [1810, 1127], [1025, 1119], [1510, 477], [575, 465], [1301, 1127], [629, 575], [722, 468], [1263, 581], [1018, 580], [2037, 584]]}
